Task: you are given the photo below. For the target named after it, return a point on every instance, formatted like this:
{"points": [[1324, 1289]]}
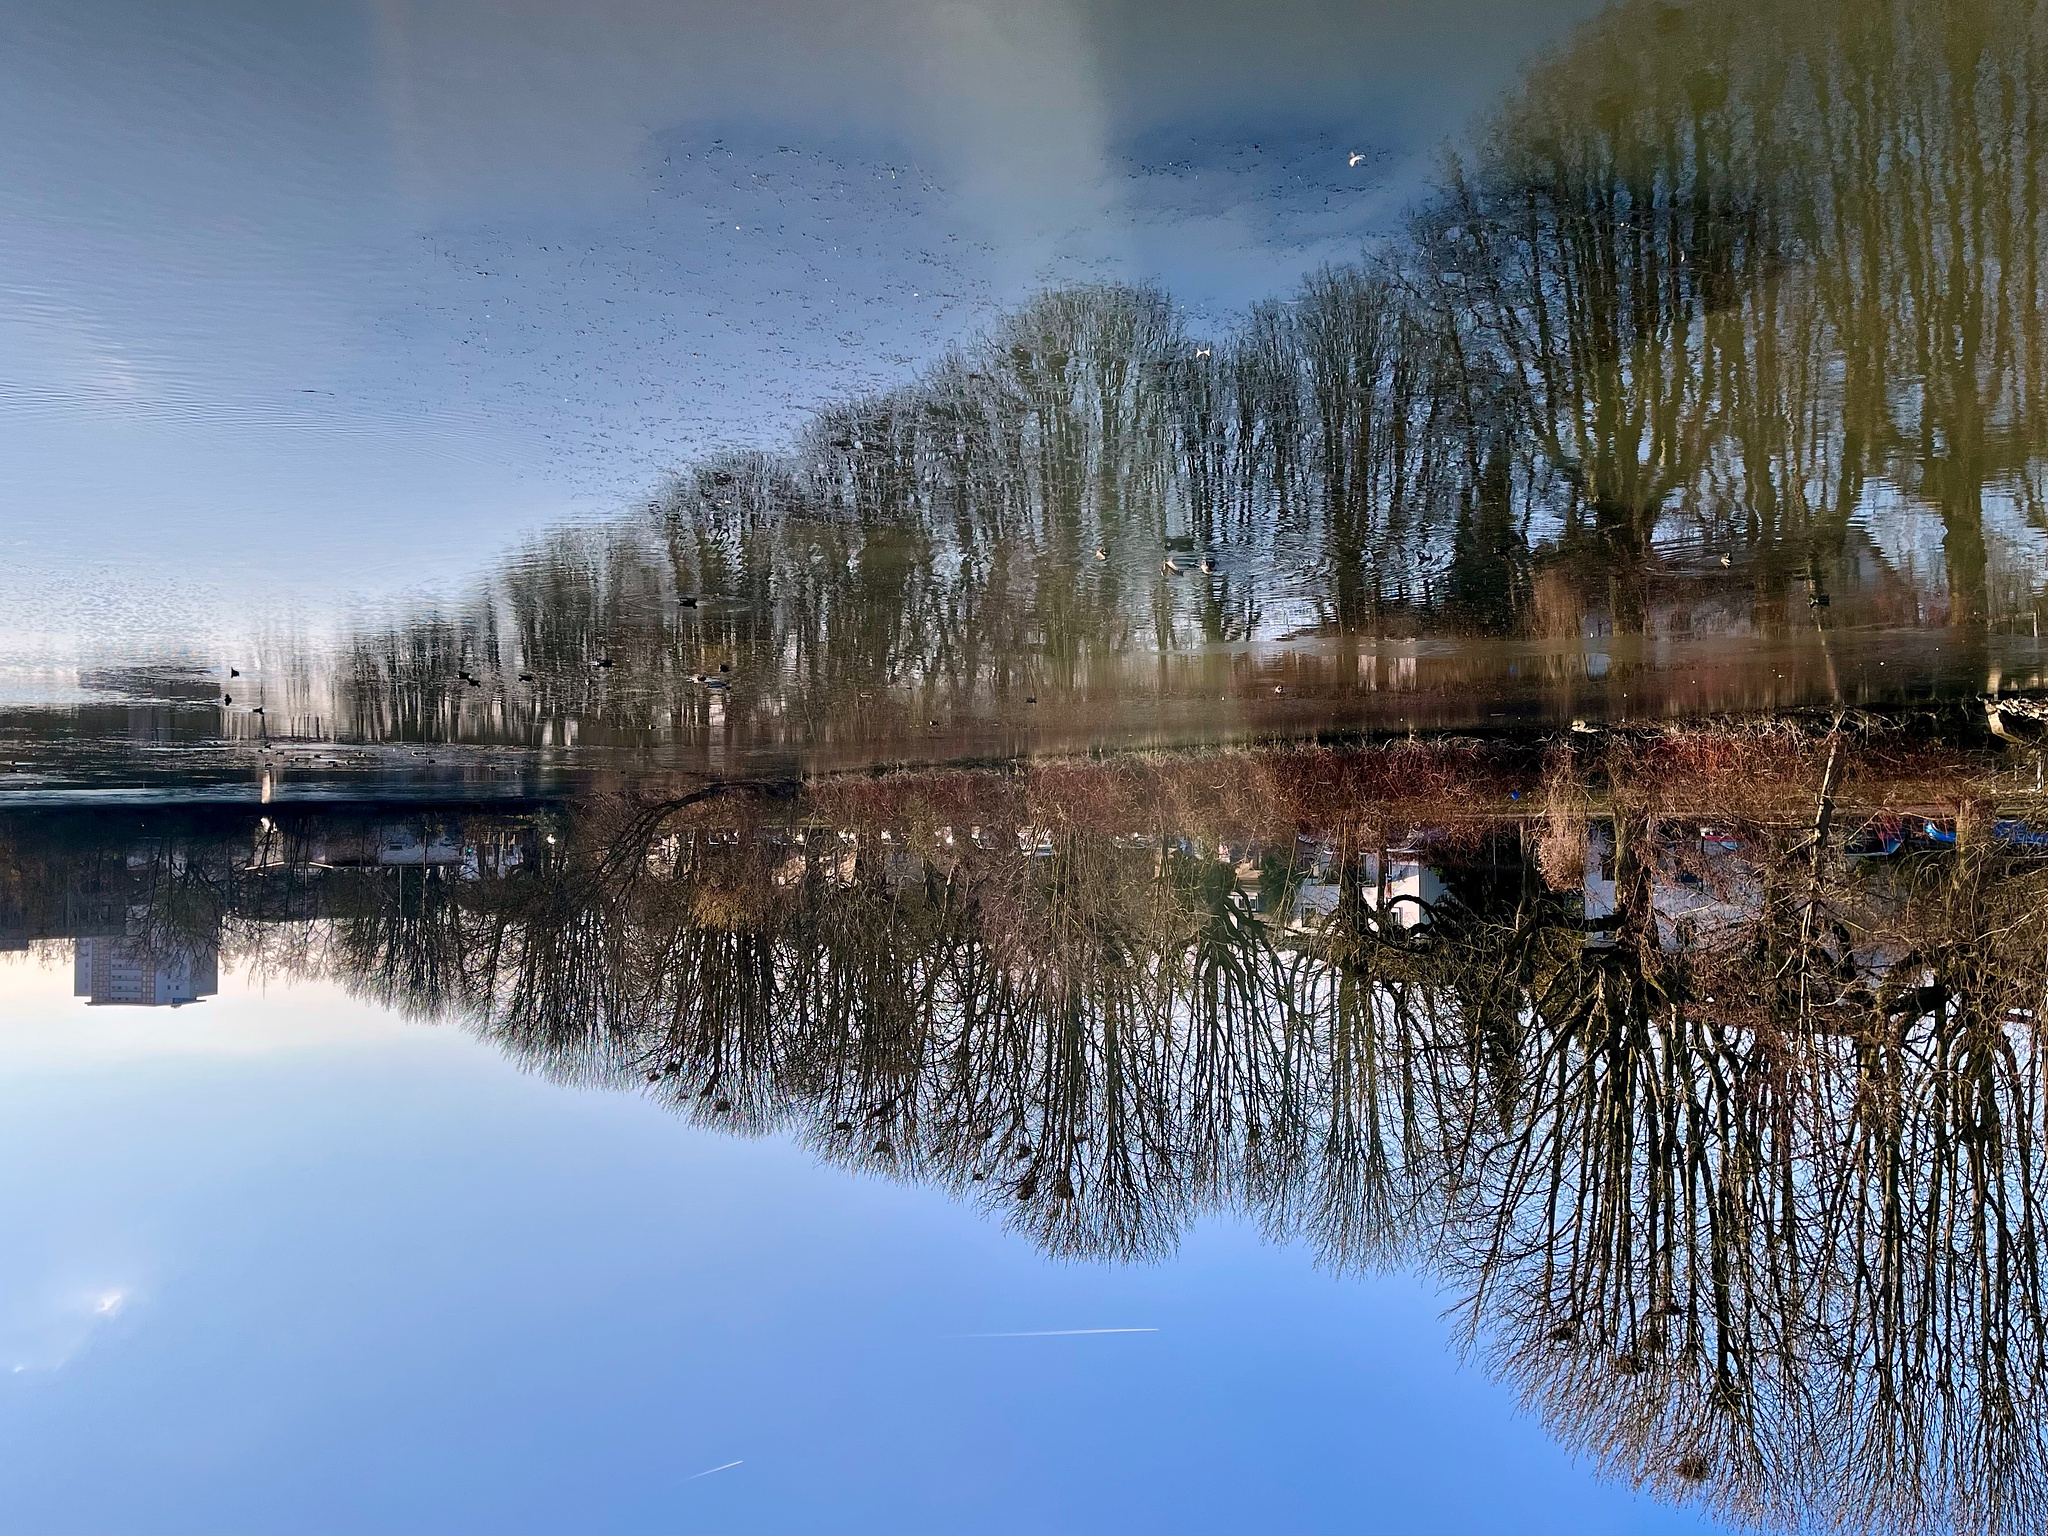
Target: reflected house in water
{"points": [[418, 847], [111, 971], [1699, 884], [1401, 882], [1700, 887], [425, 843], [1404, 886]]}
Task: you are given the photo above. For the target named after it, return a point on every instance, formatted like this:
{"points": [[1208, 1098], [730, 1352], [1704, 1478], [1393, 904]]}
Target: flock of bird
{"points": [[1170, 566], [713, 680]]}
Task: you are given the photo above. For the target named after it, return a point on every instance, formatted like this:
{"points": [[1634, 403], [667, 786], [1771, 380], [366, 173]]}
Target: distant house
{"points": [[117, 972], [1409, 887]]}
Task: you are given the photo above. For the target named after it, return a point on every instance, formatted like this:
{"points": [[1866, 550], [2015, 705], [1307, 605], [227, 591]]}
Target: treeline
{"points": [[1727, 1144], [1719, 290]]}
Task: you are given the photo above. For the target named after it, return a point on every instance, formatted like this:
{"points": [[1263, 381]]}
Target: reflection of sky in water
{"points": [[342, 297], [377, 1278]]}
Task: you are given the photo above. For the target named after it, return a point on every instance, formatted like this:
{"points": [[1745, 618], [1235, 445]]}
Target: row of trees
{"points": [[1739, 1182], [1717, 283]]}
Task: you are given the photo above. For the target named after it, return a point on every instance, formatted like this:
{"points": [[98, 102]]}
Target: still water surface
{"points": [[1105, 768], [1703, 373]]}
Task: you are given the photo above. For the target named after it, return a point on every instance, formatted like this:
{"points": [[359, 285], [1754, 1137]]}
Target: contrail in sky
{"points": [[1048, 1333], [708, 1471]]}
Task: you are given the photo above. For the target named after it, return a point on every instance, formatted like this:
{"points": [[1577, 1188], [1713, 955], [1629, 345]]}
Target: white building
{"points": [[116, 972]]}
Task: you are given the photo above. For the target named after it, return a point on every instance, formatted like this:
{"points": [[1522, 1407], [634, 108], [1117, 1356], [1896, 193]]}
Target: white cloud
{"points": [[47, 1333]]}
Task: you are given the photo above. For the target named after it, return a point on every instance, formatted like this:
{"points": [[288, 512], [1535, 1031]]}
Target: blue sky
{"points": [[291, 1265]]}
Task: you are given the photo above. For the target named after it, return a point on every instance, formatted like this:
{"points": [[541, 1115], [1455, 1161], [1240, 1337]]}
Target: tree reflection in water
{"points": [[1748, 264], [1724, 299], [1724, 1139]]}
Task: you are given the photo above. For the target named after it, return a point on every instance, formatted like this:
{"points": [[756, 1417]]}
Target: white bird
{"points": [[1356, 157]]}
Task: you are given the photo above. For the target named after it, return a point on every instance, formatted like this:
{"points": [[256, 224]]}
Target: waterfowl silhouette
{"points": [[2020, 720]]}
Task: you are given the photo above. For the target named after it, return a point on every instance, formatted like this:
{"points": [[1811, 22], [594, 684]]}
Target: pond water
{"points": [[1092, 766]]}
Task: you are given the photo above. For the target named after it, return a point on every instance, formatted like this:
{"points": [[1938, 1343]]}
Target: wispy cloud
{"points": [[47, 1337]]}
